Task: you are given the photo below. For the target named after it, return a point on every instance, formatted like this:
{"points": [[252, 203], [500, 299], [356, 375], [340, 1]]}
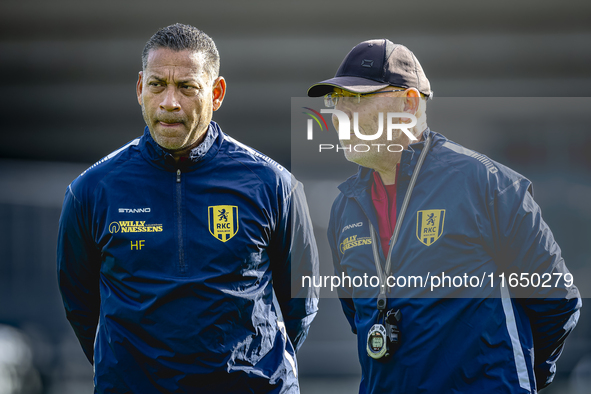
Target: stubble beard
{"points": [[161, 140], [373, 158]]}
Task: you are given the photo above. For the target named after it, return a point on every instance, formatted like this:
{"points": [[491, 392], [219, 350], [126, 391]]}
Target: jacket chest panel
{"points": [[185, 230], [435, 238]]}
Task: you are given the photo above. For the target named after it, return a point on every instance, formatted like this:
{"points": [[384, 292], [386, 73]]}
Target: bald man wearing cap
{"points": [[428, 212]]}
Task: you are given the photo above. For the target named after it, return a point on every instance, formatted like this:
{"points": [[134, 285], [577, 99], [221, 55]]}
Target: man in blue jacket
{"points": [[175, 252], [471, 294]]}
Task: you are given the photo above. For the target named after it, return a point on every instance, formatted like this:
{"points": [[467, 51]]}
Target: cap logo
{"points": [[366, 63]]}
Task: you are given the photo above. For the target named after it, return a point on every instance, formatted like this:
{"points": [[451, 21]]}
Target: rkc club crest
{"points": [[223, 221], [430, 225]]}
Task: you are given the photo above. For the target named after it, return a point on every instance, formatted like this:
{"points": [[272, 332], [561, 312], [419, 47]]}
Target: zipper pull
{"points": [[178, 176]]}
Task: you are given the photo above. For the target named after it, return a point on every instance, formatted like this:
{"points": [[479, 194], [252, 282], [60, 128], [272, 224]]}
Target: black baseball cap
{"points": [[374, 64]]}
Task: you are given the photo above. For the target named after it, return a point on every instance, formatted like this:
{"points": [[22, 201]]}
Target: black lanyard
{"points": [[383, 274]]}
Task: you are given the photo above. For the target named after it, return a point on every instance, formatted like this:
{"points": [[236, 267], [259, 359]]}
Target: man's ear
{"points": [[219, 92], [139, 87], [411, 101]]}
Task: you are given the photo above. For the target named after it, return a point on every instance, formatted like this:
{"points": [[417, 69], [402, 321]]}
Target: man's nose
{"points": [[346, 105], [346, 110], [335, 122], [170, 101]]}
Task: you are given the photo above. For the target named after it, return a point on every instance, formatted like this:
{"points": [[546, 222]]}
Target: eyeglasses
{"points": [[332, 99]]}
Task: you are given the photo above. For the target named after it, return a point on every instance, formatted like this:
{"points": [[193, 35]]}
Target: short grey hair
{"points": [[179, 37]]}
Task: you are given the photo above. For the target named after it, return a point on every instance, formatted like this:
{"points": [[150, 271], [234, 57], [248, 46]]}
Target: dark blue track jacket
{"points": [[468, 215], [172, 276]]}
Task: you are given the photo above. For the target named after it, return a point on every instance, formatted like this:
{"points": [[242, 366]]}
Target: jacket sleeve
{"points": [[345, 295], [528, 247], [78, 265], [295, 258]]}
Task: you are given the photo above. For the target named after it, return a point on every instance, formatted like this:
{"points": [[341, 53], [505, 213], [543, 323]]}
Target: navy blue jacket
{"points": [[174, 278], [491, 339]]}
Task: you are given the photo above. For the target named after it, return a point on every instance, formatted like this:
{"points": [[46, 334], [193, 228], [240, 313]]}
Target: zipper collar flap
{"points": [[158, 157], [358, 184]]}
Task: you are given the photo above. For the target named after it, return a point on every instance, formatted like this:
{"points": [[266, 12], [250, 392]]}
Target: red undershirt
{"points": [[384, 202]]}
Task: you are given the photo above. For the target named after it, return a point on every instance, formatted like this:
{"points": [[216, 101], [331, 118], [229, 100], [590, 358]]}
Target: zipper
{"points": [[179, 215]]}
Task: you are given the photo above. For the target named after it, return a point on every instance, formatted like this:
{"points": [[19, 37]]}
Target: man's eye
{"points": [[189, 87], [155, 84]]}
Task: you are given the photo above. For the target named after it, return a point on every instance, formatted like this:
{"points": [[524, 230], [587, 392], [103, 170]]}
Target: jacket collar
{"points": [[359, 184], [203, 153]]}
